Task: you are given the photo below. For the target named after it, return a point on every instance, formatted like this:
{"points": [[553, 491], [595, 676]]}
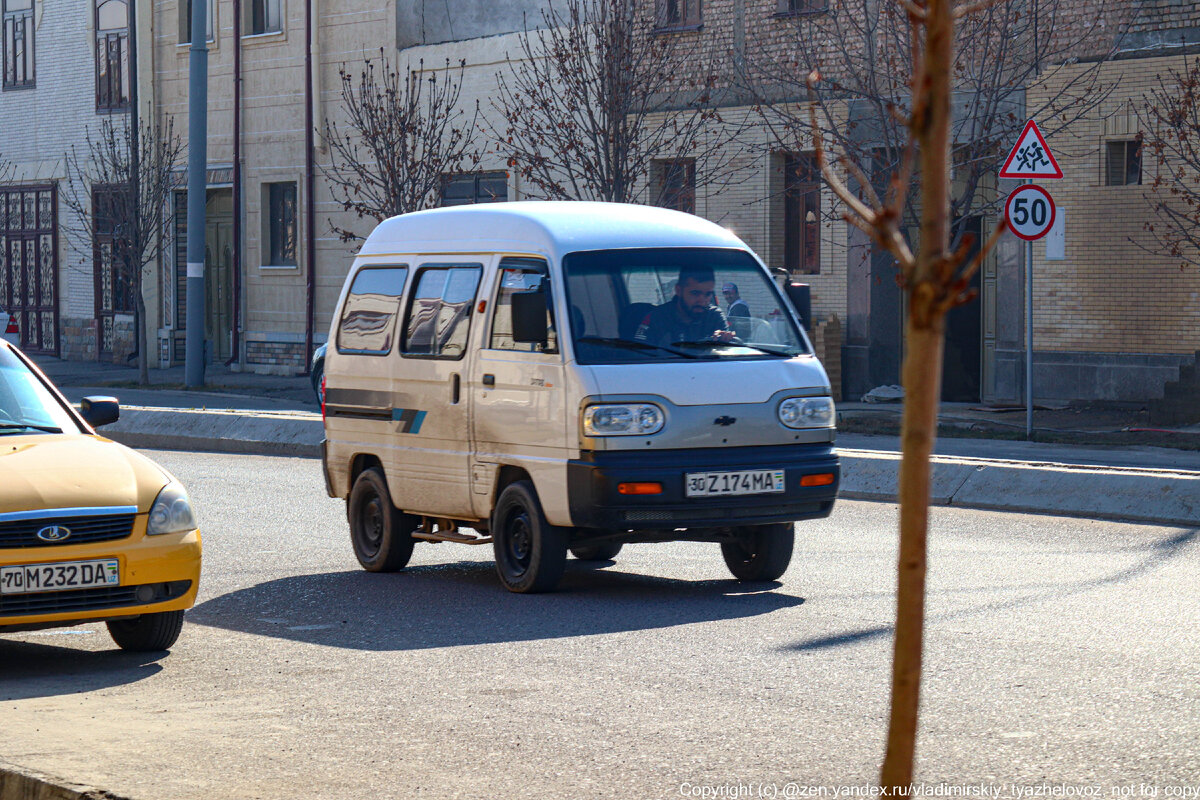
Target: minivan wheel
{"points": [[380, 532], [531, 554], [760, 552], [596, 552], [147, 632]]}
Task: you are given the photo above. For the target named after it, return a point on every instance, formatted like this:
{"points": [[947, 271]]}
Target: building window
{"points": [[264, 16], [1123, 163], [282, 232], [112, 54], [789, 7], [801, 215], [185, 21], [18, 44], [675, 183], [678, 13], [114, 271], [474, 187]]}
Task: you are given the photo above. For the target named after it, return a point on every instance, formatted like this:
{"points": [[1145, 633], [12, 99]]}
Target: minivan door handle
{"points": [[455, 388], [489, 380]]}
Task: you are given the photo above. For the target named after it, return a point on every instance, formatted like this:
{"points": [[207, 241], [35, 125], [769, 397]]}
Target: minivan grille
{"points": [[98, 528]]}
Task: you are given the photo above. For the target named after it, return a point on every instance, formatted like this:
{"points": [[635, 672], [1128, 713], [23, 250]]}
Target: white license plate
{"points": [[754, 481], [30, 578]]}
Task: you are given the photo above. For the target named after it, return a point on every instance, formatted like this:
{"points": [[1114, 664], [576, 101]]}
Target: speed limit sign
{"points": [[1030, 212]]}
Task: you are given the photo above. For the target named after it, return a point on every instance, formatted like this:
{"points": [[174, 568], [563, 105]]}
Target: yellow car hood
{"points": [[68, 471]]}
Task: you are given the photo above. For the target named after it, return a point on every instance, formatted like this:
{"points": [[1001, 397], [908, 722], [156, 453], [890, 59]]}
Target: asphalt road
{"points": [[1059, 652]]}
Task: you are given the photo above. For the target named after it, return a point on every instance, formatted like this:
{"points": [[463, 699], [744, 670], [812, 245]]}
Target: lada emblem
{"points": [[54, 533]]}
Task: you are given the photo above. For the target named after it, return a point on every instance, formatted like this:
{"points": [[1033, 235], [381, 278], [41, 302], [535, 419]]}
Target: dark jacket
{"points": [[662, 326]]}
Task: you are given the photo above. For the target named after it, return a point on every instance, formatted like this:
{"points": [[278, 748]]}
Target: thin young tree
{"points": [[594, 103], [118, 189], [1003, 50], [400, 132], [1170, 119]]}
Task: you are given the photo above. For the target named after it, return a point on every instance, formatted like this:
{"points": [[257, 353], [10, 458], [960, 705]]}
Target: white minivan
{"points": [[550, 377]]}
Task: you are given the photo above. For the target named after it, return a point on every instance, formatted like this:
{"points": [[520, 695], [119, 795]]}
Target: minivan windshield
{"points": [[674, 304], [25, 404]]}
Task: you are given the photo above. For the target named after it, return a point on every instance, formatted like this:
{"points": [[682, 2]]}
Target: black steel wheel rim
{"points": [[370, 524], [519, 539]]}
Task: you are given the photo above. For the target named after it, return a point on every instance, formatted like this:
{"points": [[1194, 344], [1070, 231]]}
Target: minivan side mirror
{"points": [[529, 317], [99, 411]]}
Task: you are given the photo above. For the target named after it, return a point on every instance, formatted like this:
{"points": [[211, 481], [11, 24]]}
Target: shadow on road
{"points": [[1157, 554], [463, 604], [31, 669]]}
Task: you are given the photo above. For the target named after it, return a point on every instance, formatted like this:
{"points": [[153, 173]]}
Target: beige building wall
{"points": [[1110, 312]]}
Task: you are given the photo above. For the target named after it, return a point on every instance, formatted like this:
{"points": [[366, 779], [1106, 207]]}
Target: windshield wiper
{"points": [[712, 343], [20, 426], [631, 344]]}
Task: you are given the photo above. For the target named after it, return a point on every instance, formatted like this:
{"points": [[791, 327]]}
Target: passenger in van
{"points": [[689, 316], [735, 305]]}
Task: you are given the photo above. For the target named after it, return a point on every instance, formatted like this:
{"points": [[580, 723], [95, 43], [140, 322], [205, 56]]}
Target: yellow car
{"points": [[89, 529]]}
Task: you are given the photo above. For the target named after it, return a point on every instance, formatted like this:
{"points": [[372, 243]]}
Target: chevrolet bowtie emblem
{"points": [[724, 420]]}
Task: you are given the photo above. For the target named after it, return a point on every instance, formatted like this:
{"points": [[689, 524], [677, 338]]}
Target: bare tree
{"points": [[935, 277], [1171, 120], [594, 103], [118, 188], [402, 132], [862, 50]]}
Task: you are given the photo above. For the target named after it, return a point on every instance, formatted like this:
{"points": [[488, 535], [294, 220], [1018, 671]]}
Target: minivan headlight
{"points": [[171, 512], [807, 412], [622, 419]]}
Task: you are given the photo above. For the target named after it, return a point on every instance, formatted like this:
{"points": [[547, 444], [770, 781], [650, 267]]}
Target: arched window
{"points": [[112, 55]]}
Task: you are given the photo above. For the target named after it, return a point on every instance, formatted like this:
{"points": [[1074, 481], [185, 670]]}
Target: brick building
{"points": [[66, 67], [269, 258]]}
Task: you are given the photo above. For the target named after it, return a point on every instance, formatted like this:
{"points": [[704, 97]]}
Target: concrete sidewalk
{"points": [[269, 415]]}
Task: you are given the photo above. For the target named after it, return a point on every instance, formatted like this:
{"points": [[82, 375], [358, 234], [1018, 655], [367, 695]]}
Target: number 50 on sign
{"points": [[1030, 212]]}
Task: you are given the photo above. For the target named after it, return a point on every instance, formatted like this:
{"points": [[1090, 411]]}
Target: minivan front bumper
{"points": [[595, 501]]}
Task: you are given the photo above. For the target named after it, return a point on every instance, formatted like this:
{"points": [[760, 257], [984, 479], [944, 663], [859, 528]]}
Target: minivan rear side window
{"points": [[368, 323], [439, 310]]}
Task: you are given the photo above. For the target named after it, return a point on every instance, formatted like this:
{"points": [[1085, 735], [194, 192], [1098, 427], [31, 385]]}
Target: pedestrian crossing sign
{"points": [[1031, 158]]}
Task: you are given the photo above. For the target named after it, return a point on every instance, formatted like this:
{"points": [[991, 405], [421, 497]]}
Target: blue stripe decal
{"points": [[410, 419]]}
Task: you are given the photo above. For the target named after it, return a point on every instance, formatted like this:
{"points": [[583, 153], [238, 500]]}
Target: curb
{"points": [[1150, 495], [18, 783], [1160, 496]]}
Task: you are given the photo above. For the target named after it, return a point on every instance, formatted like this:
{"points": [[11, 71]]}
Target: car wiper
{"points": [[712, 343], [21, 426], [631, 344]]}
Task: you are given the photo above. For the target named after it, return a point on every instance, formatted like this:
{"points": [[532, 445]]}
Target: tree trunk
{"points": [[142, 336], [922, 378]]}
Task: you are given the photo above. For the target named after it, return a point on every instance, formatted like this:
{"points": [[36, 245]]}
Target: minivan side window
{"points": [[439, 310], [368, 323], [521, 275]]}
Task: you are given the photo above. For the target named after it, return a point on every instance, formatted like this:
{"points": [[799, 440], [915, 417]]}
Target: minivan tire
{"points": [[380, 532], [760, 552], [531, 554], [596, 552], [147, 632]]}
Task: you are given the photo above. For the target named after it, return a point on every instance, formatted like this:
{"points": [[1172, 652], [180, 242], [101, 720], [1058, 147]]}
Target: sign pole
{"points": [[1029, 336]]}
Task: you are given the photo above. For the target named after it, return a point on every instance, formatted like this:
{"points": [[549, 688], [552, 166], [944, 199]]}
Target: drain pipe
{"points": [[310, 213], [235, 350]]}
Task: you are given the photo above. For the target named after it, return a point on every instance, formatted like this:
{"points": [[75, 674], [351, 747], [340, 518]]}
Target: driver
{"points": [[689, 316]]}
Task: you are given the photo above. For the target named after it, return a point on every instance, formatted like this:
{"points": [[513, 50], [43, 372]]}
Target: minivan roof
{"points": [[550, 227]]}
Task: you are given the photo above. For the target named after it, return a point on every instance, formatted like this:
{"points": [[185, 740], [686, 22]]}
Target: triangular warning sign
{"points": [[1031, 158]]}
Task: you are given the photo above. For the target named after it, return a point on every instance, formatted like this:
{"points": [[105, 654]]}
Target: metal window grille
{"points": [[18, 44]]}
